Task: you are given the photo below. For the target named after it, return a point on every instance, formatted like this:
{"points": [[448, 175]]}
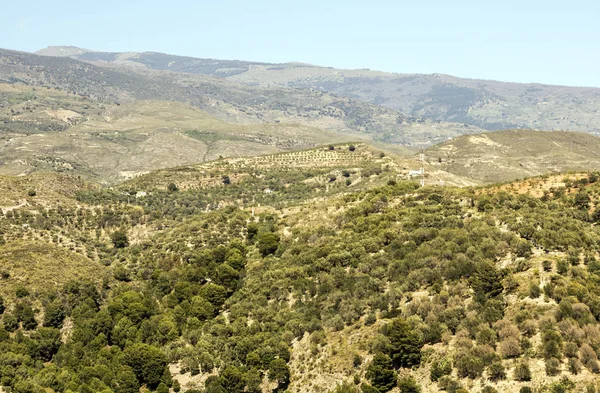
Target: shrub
{"points": [[496, 371], [407, 384], [489, 389], [552, 367], [574, 366], [522, 372], [534, 290], [21, 292], [509, 348], [589, 358], [449, 384], [439, 369], [468, 365], [119, 238]]}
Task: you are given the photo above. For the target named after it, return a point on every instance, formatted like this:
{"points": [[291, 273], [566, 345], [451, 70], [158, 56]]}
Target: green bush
{"points": [[407, 384]]}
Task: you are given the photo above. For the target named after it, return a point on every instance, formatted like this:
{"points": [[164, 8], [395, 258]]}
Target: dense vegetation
{"points": [[455, 286]]}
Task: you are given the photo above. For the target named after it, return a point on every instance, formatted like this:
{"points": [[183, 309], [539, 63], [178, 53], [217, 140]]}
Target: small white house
{"points": [[415, 173]]}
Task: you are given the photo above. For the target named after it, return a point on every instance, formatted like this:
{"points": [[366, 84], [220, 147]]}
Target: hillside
{"points": [[485, 104], [229, 101], [508, 155], [52, 130], [299, 271]]}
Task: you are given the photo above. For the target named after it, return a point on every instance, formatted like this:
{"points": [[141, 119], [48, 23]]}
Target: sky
{"points": [[551, 42]]}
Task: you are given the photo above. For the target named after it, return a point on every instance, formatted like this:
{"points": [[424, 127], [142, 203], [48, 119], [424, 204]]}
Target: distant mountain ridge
{"points": [[225, 99], [485, 104]]}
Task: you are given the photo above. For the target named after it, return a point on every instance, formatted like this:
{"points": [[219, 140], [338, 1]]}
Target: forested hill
{"points": [[282, 276]]}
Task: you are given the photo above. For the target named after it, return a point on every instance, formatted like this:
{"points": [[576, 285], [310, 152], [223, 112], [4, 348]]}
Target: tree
{"points": [[215, 294], [232, 380], [46, 342], [226, 179], [228, 276], [582, 200], [147, 362], [54, 315], [351, 147], [279, 371], [2, 306], [162, 388], [469, 365], [381, 374], [252, 230], [405, 343], [119, 238], [126, 381], [487, 283], [267, 243], [172, 187], [201, 309], [596, 215], [10, 322], [26, 315]]}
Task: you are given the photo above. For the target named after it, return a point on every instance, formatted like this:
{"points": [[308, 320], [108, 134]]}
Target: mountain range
{"points": [[489, 105]]}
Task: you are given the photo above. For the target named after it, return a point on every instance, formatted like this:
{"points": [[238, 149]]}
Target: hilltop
{"points": [[484, 104], [508, 155]]}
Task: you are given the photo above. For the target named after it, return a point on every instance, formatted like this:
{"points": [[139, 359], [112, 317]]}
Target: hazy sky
{"points": [[550, 41]]}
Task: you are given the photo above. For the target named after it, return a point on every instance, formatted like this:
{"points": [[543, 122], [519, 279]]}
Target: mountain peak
{"points": [[62, 51]]}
